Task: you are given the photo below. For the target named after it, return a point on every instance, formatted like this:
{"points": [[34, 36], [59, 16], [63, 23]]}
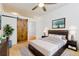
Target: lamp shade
{"points": [[72, 32], [45, 31], [72, 28], [41, 4]]}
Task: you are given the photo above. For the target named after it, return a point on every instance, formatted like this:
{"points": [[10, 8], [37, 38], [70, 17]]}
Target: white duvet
{"points": [[49, 45], [44, 47]]}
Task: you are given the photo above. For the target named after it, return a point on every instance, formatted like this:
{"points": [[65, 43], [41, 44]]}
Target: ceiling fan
{"points": [[42, 5]]}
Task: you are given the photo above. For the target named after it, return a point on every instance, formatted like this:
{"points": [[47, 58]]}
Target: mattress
{"points": [[56, 41], [45, 47]]}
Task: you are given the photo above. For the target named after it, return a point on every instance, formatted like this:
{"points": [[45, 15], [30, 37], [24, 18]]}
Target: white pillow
{"points": [[51, 35], [61, 37], [55, 36]]}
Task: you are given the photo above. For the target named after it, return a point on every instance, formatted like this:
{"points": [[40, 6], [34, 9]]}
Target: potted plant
{"points": [[7, 32], [2, 38]]}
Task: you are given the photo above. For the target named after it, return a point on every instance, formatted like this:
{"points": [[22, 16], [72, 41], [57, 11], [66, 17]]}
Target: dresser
{"points": [[4, 50]]}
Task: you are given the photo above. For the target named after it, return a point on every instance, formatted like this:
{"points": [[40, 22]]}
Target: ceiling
{"points": [[25, 9]]}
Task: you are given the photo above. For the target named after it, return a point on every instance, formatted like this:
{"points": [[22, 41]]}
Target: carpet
{"points": [[69, 52], [26, 52]]}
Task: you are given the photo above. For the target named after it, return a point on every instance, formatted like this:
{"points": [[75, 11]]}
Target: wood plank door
{"points": [[22, 30]]}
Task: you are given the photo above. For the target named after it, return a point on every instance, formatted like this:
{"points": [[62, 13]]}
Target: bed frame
{"points": [[59, 52]]}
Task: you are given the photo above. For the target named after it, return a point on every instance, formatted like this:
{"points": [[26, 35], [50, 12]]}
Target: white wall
{"points": [[69, 11], [31, 28], [40, 26], [35, 27], [12, 22], [1, 7]]}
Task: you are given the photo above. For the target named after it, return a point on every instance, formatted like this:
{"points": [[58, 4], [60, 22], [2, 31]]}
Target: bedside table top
{"points": [[72, 43]]}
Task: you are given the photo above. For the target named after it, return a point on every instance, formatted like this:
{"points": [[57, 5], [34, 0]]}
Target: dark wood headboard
{"points": [[59, 32]]}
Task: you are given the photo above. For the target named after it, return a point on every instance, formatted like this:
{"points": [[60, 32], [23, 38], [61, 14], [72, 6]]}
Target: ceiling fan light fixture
{"points": [[41, 4], [15, 13]]}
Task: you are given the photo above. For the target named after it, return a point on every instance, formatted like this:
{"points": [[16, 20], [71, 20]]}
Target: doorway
{"points": [[22, 30]]}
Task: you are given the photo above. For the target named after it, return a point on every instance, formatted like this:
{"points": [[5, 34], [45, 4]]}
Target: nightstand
{"points": [[44, 36], [72, 45]]}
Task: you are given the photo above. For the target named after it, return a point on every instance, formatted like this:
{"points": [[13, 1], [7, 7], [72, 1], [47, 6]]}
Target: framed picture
{"points": [[58, 23]]}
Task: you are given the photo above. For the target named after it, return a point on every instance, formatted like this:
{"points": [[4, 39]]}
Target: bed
{"points": [[48, 47]]}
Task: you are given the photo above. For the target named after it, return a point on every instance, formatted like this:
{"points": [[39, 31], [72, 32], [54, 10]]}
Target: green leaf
{"points": [[8, 30]]}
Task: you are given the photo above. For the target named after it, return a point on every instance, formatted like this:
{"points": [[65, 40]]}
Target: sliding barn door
{"points": [[22, 28]]}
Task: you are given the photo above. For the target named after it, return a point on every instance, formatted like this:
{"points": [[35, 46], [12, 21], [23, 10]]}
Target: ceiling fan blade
{"points": [[49, 3], [35, 7], [44, 8]]}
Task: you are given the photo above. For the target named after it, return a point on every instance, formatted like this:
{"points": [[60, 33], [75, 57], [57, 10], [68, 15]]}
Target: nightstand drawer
{"points": [[72, 44], [72, 47]]}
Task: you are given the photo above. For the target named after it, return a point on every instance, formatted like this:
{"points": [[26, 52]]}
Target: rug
{"points": [[69, 52], [25, 52]]}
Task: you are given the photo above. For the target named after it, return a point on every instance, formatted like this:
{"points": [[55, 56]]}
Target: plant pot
{"points": [[9, 43]]}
